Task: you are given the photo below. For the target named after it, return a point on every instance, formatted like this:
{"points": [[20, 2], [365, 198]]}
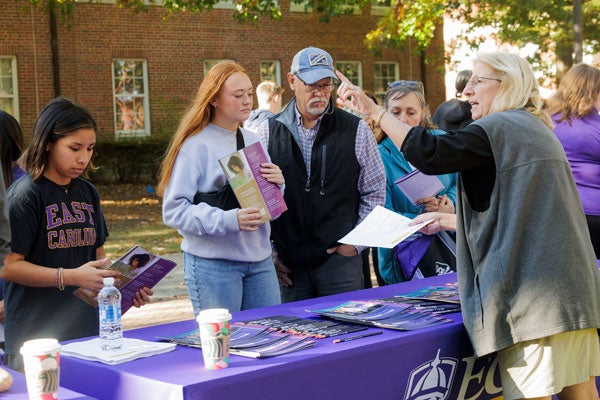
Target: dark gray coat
{"points": [[526, 265]]}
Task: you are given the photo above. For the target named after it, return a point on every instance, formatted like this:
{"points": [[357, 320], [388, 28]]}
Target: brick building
{"points": [[137, 72]]}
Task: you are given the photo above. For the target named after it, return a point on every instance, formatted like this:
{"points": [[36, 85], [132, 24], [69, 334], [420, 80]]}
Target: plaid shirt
{"points": [[371, 179]]}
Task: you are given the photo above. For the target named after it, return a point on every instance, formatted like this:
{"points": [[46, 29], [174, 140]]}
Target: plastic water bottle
{"points": [[111, 331]]}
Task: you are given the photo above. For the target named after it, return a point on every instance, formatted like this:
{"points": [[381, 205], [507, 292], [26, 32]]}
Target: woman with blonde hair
{"points": [[574, 108], [527, 275], [227, 251]]}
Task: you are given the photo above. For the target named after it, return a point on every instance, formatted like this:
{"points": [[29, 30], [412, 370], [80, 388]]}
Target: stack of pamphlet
{"points": [[315, 328], [447, 293], [251, 341], [271, 336], [132, 349], [383, 314], [433, 306]]}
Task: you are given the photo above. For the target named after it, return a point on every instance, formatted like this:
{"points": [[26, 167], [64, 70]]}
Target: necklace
{"points": [[231, 138], [65, 187]]}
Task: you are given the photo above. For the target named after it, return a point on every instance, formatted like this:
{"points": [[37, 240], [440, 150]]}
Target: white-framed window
{"points": [[380, 7], [354, 7], [9, 91], [270, 70], [224, 4], [130, 92], [97, 1], [384, 72], [209, 63], [306, 7], [300, 7], [352, 70]]}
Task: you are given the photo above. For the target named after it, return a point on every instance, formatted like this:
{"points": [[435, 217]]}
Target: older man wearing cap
{"points": [[334, 178]]}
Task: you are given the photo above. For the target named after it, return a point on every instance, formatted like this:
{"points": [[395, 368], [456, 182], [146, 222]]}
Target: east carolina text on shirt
{"points": [[70, 226]]}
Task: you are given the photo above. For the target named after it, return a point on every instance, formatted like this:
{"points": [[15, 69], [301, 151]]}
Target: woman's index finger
{"points": [[342, 77]]}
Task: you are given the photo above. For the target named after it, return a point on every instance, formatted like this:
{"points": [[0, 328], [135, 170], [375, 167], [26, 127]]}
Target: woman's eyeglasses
{"points": [[476, 80], [411, 85], [314, 88]]}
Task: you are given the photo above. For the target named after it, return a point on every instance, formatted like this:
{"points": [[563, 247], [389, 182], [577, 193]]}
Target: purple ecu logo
{"points": [[431, 380], [317, 59]]}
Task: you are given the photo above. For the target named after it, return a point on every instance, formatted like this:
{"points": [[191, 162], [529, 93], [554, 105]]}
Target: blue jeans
{"points": [[235, 285]]}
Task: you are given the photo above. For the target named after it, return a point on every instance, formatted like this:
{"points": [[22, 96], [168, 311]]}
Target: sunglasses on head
{"points": [[412, 85]]}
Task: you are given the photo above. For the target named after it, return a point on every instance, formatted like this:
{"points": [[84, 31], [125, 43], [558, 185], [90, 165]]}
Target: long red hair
{"points": [[198, 116]]}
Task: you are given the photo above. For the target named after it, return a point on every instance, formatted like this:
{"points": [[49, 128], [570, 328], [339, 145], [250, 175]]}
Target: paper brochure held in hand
{"points": [[242, 169], [138, 269], [381, 228], [417, 185]]}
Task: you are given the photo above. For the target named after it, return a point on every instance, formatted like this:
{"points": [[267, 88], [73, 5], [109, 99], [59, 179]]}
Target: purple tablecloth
{"points": [[393, 365]]}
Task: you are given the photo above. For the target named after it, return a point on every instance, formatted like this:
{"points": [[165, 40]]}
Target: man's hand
{"points": [[346, 250], [283, 272]]}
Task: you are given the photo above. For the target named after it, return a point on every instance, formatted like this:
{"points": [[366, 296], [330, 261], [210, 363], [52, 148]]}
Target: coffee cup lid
{"points": [[40, 346], [214, 315]]}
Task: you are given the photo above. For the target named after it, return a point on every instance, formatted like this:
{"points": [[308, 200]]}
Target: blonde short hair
{"points": [[266, 90], [518, 87]]}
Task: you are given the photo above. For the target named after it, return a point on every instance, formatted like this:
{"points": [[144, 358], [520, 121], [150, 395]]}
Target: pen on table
{"points": [[357, 337]]}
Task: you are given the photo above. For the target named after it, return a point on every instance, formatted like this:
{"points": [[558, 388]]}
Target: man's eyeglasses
{"points": [[476, 80], [411, 85], [314, 88]]}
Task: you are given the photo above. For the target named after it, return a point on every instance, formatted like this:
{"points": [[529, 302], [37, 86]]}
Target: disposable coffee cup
{"points": [[214, 327], [41, 358]]}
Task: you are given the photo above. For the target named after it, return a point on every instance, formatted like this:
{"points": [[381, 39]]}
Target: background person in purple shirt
{"points": [[574, 108]]}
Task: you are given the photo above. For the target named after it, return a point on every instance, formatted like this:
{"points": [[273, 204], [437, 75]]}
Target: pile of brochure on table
{"points": [[251, 341], [271, 336], [409, 311]]}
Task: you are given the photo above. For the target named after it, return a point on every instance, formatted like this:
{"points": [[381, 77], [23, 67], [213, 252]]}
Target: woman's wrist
{"points": [[379, 117], [376, 114], [66, 273]]}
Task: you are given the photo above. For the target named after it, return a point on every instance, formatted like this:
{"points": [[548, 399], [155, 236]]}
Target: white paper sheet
{"points": [[381, 228]]}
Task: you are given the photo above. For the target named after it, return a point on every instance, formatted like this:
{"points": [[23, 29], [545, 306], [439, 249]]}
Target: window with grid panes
{"points": [[270, 70], [384, 72], [131, 104], [9, 93], [351, 70]]}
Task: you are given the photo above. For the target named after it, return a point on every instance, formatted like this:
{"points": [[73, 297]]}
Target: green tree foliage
{"points": [[416, 19], [545, 23]]}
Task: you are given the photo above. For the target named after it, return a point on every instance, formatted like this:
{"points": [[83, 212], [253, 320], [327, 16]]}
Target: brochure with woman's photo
{"points": [[242, 170], [138, 269]]}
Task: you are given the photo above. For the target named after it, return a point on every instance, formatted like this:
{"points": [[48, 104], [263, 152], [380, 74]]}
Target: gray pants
{"points": [[338, 274]]}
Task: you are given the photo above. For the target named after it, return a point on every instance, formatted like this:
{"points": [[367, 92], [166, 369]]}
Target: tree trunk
{"points": [[564, 59]]}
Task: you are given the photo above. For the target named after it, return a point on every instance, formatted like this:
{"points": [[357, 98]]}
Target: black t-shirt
{"points": [[466, 151], [53, 227]]}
